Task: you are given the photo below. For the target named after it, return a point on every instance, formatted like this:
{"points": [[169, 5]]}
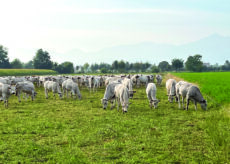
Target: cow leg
{"points": [[195, 104], [19, 98], [118, 104], [46, 93], [183, 102], [187, 104], [179, 101]]}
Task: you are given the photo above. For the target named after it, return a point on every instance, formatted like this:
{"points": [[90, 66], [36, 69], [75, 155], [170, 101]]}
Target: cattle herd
{"points": [[118, 88]]}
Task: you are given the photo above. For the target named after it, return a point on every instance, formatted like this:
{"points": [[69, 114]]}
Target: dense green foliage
{"points": [[194, 63], [23, 72], [214, 84], [4, 60], [177, 64], [66, 67], [42, 60], [16, 63], [80, 131]]}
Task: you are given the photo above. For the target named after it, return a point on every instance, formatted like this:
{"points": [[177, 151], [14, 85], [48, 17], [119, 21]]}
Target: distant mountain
{"points": [[214, 49]]}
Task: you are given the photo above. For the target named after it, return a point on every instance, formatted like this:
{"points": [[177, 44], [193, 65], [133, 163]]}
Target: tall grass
{"points": [[24, 72]]}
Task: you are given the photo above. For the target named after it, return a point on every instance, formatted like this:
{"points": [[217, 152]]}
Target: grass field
{"points": [[213, 84], [26, 72], [80, 131]]}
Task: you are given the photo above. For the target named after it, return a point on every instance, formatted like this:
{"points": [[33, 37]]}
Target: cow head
{"points": [[154, 103], [203, 104], [12, 89], [131, 94], [60, 95], [125, 107], [104, 103]]}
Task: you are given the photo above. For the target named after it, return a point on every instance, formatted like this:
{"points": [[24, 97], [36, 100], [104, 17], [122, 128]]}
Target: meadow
{"points": [[80, 131], [26, 72]]}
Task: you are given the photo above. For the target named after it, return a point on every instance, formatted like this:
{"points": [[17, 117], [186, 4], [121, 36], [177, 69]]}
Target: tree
{"points": [[42, 60], [86, 67], [66, 67], [194, 63], [115, 65], [121, 66], [155, 69], [4, 60], [177, 64], [164, 66], [16, 63], [29, 65]]}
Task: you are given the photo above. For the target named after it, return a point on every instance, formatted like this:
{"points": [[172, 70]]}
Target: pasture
{"points": [[26, 72], [80, 131], [214, 84]]}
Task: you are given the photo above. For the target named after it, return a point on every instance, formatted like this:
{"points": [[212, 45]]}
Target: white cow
{"points": [[182, 89], [151, 91], [122, 97], [109, 95], [159, 79], [25, 87], [128, 83], [5, 80], [5, 92], [195, 95], [96, 83], [54, 87], [171, 89], [144, 79], [69, 85]]}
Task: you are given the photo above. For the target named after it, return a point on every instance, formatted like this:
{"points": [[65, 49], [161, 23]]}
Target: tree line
{"points": [[42, 60]]}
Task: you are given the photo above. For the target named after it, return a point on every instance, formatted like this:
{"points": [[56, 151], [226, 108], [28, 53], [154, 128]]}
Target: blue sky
{"points": [[90, 25]]}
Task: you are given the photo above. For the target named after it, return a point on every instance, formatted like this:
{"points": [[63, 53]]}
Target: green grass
{"points": [[26, 72], [214, 84], [73, 131]]}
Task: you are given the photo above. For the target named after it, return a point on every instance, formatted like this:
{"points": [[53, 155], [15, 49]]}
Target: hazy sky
{"points": [[90, 25]]}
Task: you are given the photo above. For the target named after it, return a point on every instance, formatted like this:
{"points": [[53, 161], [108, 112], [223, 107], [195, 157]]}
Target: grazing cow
{"points": [[69, 85], [109, 95], [182, 89], [5, 92], [122, 96], [5, 80], [112, 79], [134, 79], [143, 79], [96, 83], [171, 89], [15, 80], [159, 79], [151, 91], [33, 79], [195, 95], [54, 87], [25, 87], [128, 83]]}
